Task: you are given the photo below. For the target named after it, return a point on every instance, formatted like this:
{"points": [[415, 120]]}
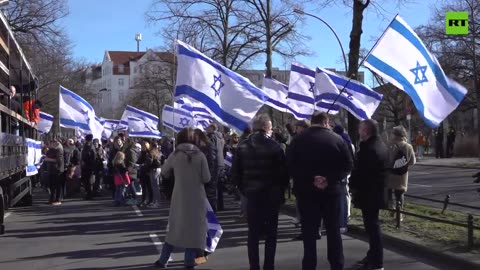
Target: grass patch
{"points": [[426, 232]]}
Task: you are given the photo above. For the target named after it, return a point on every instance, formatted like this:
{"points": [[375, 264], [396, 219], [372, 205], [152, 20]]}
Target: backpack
{"points": [[400, 162]]}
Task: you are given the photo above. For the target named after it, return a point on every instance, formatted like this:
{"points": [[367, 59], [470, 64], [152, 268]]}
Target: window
{"points": [[121, 96], [121, 68], [141, 69], [121, 82], [135, 69]]}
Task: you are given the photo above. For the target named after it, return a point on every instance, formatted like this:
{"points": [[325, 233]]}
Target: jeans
{"points": [[120, 194], [374, 232], [146, 185], [154, 178], [262, 216], [132, 190], [56, 183], [420, 151], [86, 181], [312, 210], [399, 197], [190, 254]]}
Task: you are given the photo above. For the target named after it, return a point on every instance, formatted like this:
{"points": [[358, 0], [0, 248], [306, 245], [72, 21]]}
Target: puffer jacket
{"points": [[259, 164]]}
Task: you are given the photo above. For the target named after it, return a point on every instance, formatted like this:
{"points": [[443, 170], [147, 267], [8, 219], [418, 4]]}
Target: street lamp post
{"points": [[299, 11]]}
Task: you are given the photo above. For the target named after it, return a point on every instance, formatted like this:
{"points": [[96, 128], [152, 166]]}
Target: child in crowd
{"points": [[121, 178]]}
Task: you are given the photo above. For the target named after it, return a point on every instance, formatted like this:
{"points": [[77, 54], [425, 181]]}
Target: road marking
{"points": [[137, 211], [418, 185], [419, 173], [6, 215]]}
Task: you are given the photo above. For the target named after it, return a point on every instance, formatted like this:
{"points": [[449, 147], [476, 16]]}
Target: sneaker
{"points": [[200, 260], [158, 264], [153, 205], [132, 202], [56, 203]]}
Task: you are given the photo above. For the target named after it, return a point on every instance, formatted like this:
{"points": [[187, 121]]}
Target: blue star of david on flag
{"points": [[184, 121], [416, 71], [349, 95], [312, 86], [217, 84], [87, 117]]}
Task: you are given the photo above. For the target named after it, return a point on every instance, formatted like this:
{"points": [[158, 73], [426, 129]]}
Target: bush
{"points": [[466, 146]]}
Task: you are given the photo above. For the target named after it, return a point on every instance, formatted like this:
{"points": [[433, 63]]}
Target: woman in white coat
{"points": [[187, 226]]}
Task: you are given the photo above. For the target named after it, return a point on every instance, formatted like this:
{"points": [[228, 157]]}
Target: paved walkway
{"points": [[82, 235], [454, 162]]}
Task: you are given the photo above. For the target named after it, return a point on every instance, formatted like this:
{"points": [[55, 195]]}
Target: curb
{"points": [[446, 260], [410, 249], [448, 166]]}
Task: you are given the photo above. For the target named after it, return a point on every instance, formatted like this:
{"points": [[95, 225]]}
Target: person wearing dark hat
{"points": [[402, 157]]}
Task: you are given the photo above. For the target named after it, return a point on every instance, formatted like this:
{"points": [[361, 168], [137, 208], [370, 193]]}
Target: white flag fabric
{"points": [[109, 125], [138, 128], [357, 98], [45, 123], [176, 118], [149, 118], [277, 93], [229, 159], [34, 153], [214, 232], [402, 59], [229, 97], [301, 93], [76, 113]]}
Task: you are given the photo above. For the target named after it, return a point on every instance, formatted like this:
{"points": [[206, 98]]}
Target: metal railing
{"points": [[469, 224]]}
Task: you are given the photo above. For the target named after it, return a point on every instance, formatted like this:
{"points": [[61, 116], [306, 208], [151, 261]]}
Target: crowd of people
{"points": [[320, 160]]}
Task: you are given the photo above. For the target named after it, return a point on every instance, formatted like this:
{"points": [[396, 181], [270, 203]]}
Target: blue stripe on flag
{"points": [[144, 133], [46, 116], [345, 101], [142, 113], [234, 76], [211, 104], [437, 70], [72, 123], [65, 91], [300, 97], [302, 70], [175, 111], [408, 87], [328, 106], [339, 81], [177, 129]]}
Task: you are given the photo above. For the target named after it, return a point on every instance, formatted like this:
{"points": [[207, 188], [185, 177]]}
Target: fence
{"points": [[469, 225]]}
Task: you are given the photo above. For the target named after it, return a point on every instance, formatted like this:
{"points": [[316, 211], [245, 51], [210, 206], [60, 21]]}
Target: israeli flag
{"points": [[277, 93], [139, 128], [402, 59], [229, 159], [214, 231], [34, 153], [76, 113], [201, 116], [229, 97], [45, 123], [358, 99], [149, 118], [301, 93], [109, 126], [176, 119]]}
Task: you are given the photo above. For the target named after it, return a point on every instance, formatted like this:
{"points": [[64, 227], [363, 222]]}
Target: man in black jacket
{"points": [[88, 166], [318, 161], [259, 171], [367, 185]]}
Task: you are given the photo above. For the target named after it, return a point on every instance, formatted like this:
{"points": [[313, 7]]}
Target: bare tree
{"points": [[215, 27]]}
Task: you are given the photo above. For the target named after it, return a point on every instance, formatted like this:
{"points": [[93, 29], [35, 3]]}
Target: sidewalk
{"points": [[450, 162]]}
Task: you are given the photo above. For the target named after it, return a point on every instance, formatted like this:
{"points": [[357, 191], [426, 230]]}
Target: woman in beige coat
{"points": [[402, 158], [187, 226]]}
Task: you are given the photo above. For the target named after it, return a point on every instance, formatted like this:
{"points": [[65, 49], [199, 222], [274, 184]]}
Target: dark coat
{"points": [[318, 151], [259, 165], [210, 152], [369, 176], [88, 158], [131, 158]]}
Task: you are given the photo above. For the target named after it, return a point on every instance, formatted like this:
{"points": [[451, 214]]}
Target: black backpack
{"points": [[399, 162]]}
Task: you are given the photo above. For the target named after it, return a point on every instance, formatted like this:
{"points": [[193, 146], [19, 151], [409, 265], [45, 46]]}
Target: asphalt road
{"points": [[82, 235], [437, 182]]}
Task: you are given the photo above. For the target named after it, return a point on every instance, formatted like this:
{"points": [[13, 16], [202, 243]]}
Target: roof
{"points": [[124, 58]]}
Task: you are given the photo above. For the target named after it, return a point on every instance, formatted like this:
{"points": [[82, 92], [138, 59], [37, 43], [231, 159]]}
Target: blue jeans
{"points": [[120, 193], [190, 254]]}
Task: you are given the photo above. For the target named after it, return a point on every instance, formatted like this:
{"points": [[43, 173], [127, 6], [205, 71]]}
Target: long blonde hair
{"points": [[119, 158]]}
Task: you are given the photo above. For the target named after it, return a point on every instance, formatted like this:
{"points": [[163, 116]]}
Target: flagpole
{"points": [[363, 60], [174, 80]]}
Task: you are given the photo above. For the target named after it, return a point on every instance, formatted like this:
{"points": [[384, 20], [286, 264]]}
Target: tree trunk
{"points": [[353, 58]]}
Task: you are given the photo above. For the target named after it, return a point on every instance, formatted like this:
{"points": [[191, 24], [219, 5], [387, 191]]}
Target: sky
{"points": [[96, 26]]}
